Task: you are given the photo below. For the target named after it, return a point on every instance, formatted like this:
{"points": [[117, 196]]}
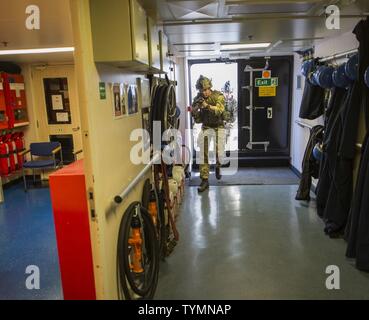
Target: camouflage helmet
{"points": [[203, 83]]}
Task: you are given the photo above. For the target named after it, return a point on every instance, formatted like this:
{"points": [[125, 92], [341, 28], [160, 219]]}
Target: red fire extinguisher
{"points": [[12, 152], [4, 157], [19, 143]]}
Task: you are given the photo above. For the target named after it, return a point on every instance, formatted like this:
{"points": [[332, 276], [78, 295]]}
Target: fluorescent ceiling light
{"points": [[198, 54], [241, 51], [33, 51], [237, 46]]}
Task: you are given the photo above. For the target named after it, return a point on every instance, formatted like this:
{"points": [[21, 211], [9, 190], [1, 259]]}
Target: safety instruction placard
{"points": [[57, 102], [267, 91], [62, 117]]}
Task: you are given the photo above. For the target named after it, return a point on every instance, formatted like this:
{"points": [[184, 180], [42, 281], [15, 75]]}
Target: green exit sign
{"points": [[271, 82]]}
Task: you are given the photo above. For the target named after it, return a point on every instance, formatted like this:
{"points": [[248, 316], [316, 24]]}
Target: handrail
{"points": [[77, 152], [303, 124], [119, 198], [338, 55]]}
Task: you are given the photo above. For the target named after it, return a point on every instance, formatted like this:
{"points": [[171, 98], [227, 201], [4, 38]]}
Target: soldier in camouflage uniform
{"points": [[208, 108]]}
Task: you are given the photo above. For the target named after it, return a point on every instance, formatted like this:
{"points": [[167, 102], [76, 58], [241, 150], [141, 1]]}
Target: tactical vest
{"points": [[207, 117]]}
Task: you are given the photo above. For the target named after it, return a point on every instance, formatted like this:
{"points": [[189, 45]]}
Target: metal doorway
{"points": [[220, 73], [265, 110]]}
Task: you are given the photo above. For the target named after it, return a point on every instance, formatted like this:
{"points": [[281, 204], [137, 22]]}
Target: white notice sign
{"points": [[57, 101], [62, 117]]}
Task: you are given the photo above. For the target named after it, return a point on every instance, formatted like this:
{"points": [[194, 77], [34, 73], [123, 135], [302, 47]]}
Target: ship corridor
{"points": [[108, 190]]}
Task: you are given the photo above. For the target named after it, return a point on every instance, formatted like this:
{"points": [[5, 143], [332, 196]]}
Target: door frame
{"points": [[269, 159], [190, 63], [42, 130], [258, 159]]}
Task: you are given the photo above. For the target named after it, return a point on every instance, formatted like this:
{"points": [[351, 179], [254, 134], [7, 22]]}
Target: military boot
{"points": [[203, 186], [217, 173]]}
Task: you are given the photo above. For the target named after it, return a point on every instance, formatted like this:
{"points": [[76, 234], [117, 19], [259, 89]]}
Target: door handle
{"points": [[76, 129], [255, 108]]}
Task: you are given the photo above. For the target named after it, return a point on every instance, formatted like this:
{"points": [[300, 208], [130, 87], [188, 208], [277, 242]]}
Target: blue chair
{"points": [[46, 158]]}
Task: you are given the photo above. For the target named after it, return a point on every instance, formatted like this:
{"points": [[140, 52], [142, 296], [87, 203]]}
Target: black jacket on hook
{"points": [[335, 190], [330, 144], [357, 230], [310, 166], [340, 193], [312, 103], [361, 32]]}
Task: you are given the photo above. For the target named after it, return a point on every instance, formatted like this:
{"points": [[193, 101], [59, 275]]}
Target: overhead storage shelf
{"points": [[123, 36], [119, 33]]}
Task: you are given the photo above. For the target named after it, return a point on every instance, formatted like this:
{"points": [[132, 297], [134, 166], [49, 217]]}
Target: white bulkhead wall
{"points": [[107, 149]]}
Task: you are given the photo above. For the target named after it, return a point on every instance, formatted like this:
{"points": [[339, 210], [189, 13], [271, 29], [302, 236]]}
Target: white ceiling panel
{"points": [[191, 22], [250, 21], [55, 28], [191, 5], [193, 9]]}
